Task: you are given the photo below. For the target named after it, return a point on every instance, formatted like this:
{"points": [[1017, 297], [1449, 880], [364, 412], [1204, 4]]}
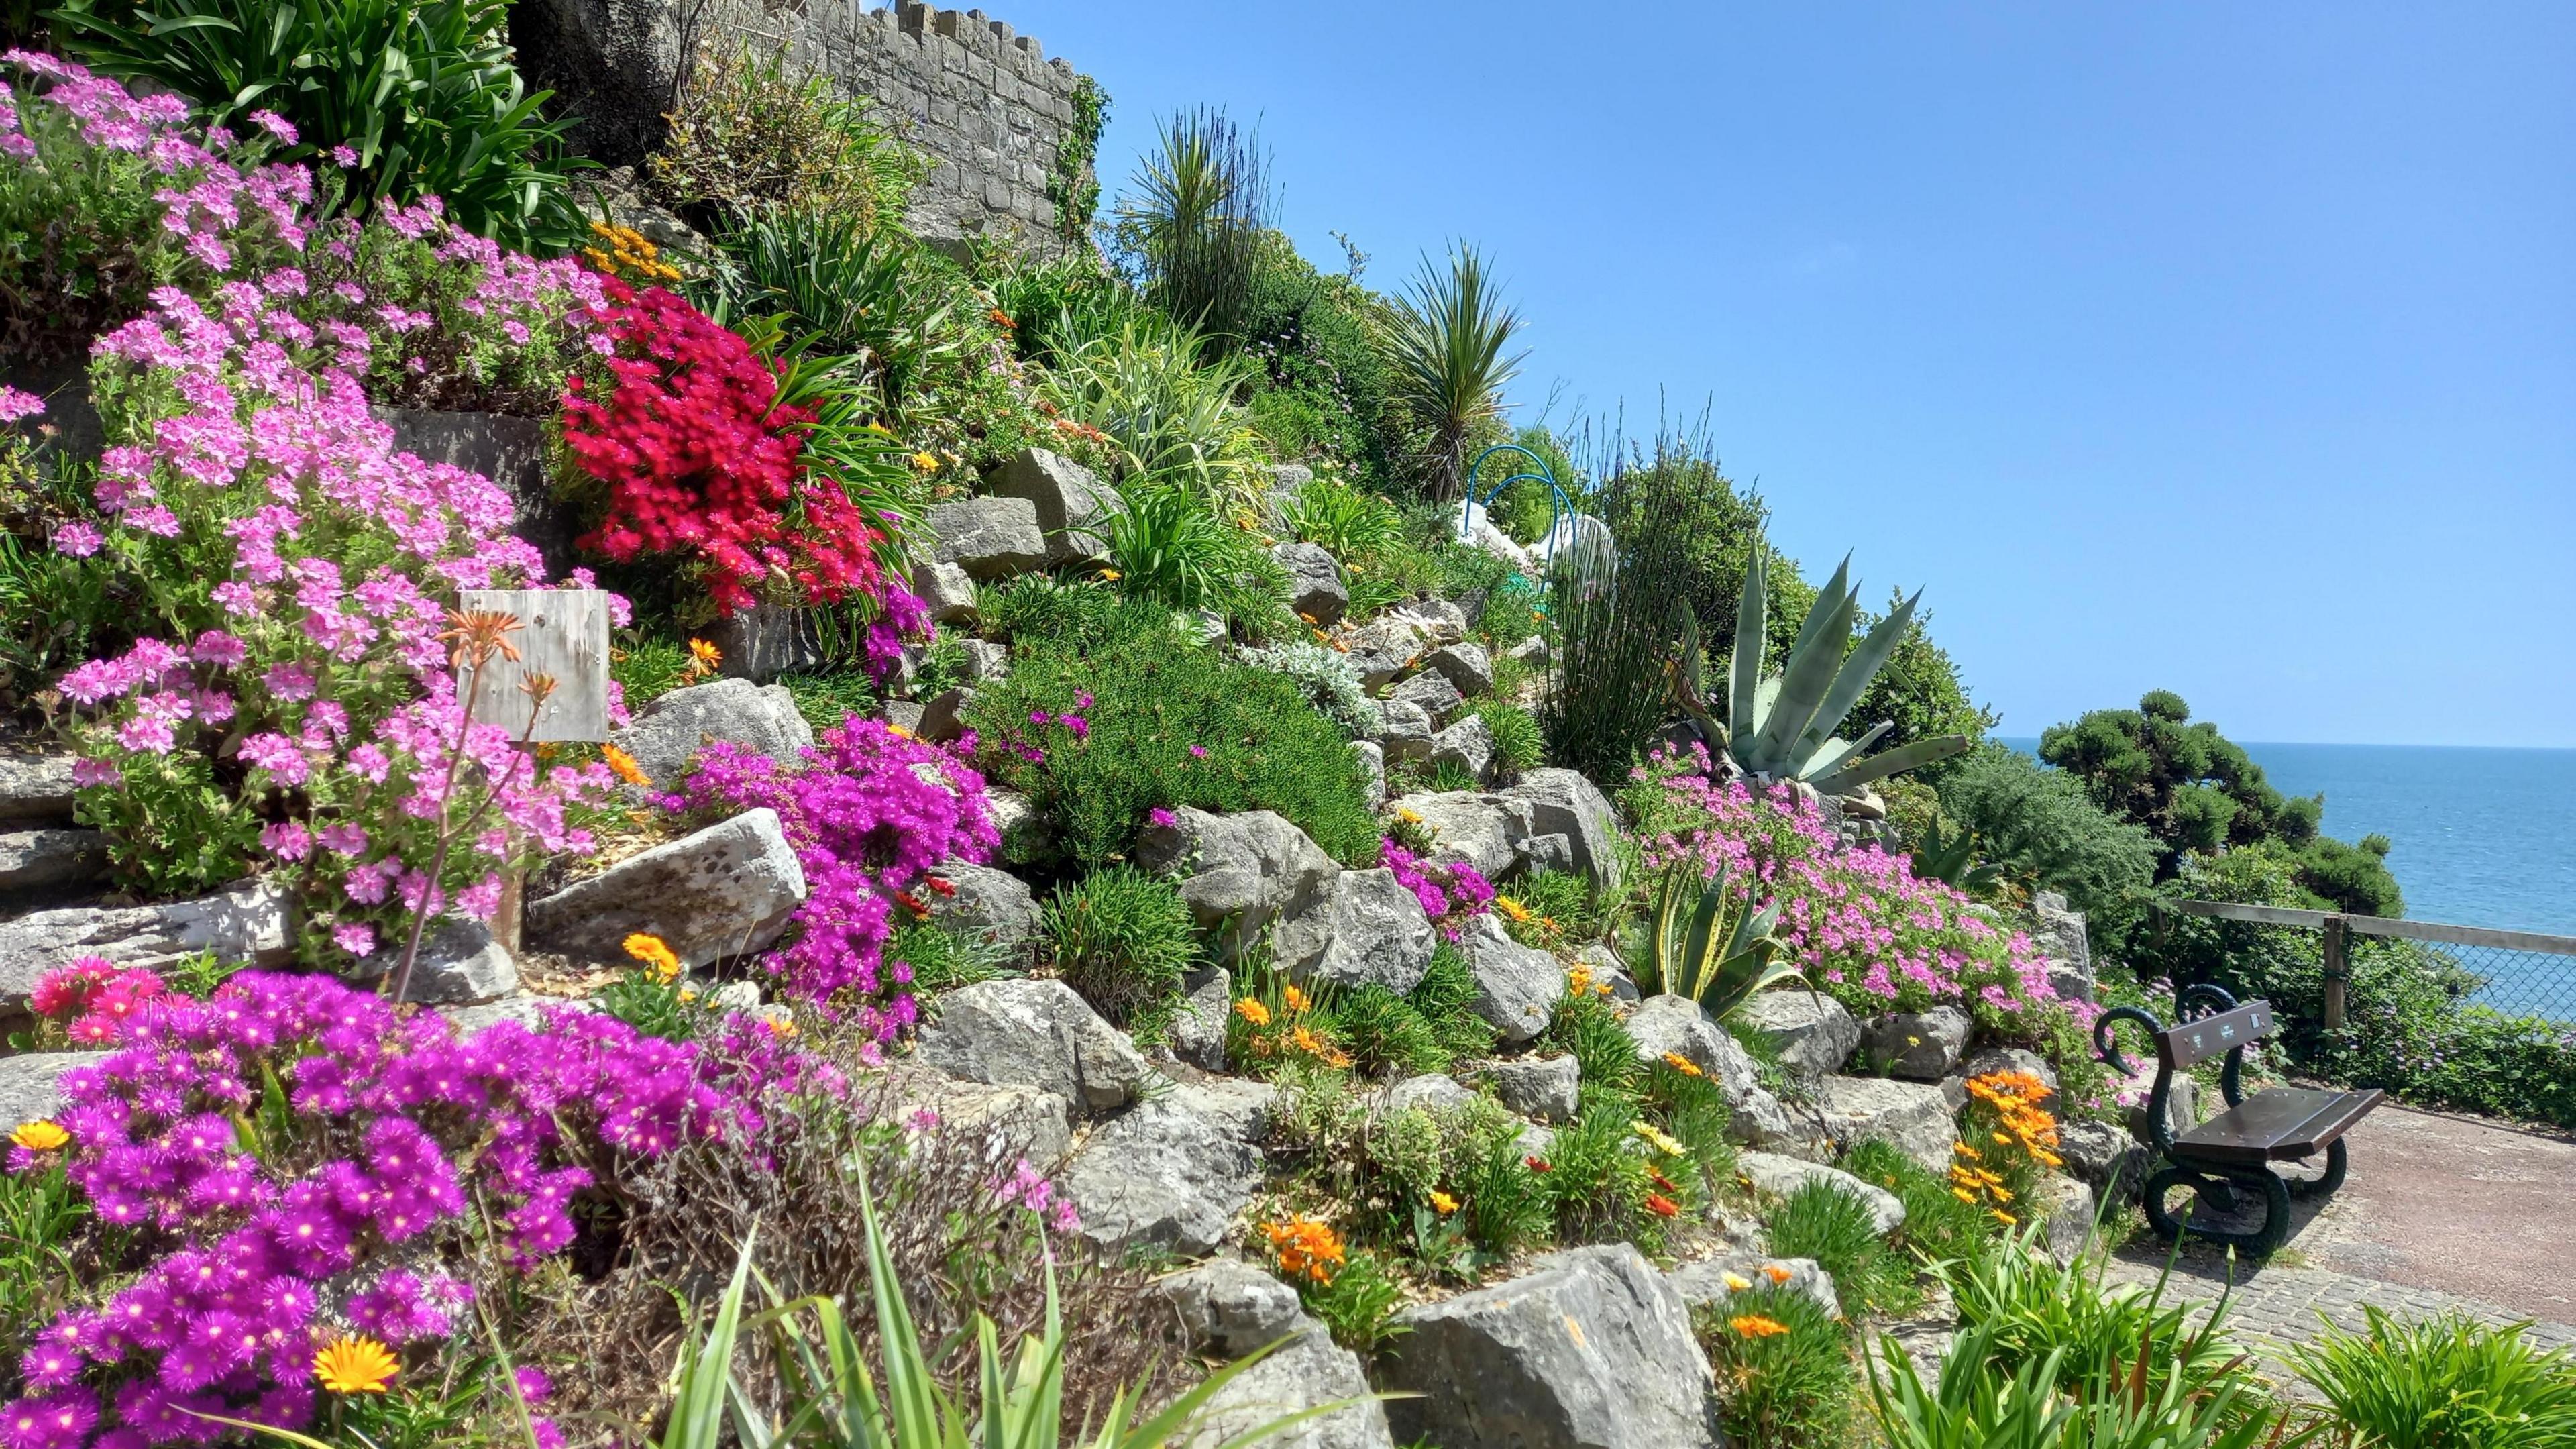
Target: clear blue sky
{"points": [[2229, 349]]}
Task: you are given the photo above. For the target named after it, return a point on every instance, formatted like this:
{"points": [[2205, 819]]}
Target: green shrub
{"points": [[939, 960], [1331, 681], [1597, 1177], [1359, 1305], [2033, 1310], [1588, 1028], [1194, 225], [1618, 623], [746, 135], [1506, 1202], [1938, 1226], [1518, 745], [1346, 522], [1559, 896], [1121, 937], [855, 289], [1384, 1033], [1785, 1378], [828, 700], [1446, 999], [1035, 610], [1822, 1221], [1054, 304], [2040, 828], [1694, 1111], [1153, 696], [423, 90], [2440, 1382], [2045, 1405], [1168, 545], [1325, 388]]}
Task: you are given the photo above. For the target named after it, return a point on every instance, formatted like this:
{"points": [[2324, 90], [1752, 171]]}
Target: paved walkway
{"points": [[2438, 1213]]}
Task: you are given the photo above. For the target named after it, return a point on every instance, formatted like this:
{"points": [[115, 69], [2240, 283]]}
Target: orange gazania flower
{"points": [[40, 1136], [1754, 1325], [1539, 1164], [657, 956], [1777, 1274], [1683, 1065], [349, 1365], [1305, 1248], [912, 903], [1298, 1002], [623, 765], [1002, 319], [1662, 1206], [942, 887], [1252, 1011], [704, 656]]}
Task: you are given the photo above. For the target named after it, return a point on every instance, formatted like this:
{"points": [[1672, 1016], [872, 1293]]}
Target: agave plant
{"points": [[1781, 727], [1952, 860], [1708, 943]]}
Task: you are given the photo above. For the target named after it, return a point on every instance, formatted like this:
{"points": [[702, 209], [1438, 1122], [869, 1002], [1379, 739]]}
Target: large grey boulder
{"points": [[1916, 1119], [1020, 1033], [1004, 1123], [244, 922], [2064, 1207], [1229, 1308], [35, 788], [1811, 1031], [1197, 1030], [1315, 588], [668, 732], [31, 1085], [1589, 1349], [1254, 871], [1545, 1089], [1434, 1092], [1919, 1046], [1072, 505], [990, 908], [990, 538], [1710, 1282], [1563, 802], [459, 965], [1307, 1373], [1162, 1174], [1379, 935], [946, 589], [1780, 1175], [1434, 693], [1464, 665], [1025, 837], [767, 640], [2103, 1157], [1674, 1026], [1440, 620], [1517, 986], [42, 859], [1986, 1060], [1466, 745], [1385, 647], [727, 890], [1403, 730], [1471, 827]]}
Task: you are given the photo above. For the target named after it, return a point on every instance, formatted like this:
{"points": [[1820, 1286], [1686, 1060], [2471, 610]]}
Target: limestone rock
{"points": [[1812, 1032], [1072, 505], [39, 859], [30, 1085], [1315, 588], [1384, 647], [1531, 651], [1434, 693], [459, 964], [245, 922], [2065, 1206], [1669, 1025], [1403, 730], [1372, 762], [1431, 1091], [1541, 1088], [729, 889], [2103, 1157], [1704, 1283], [2061, 934], [35, 788], [1464, 665], [943, 716], [1779, 1176], [1563, 802], [1591, 1347], [1255, 870], [1467, 745], [1197, 1032], [1483, 830], [1230, 1308], [1379, 935], [1439, 620], [1985, 1060], [1517, 986], [991, 908], [1008, 1122], [765, 641], [986, 661], [946, 589], [1238, 1106], [1020, 1033], [1023, 831], [668, 732], [990, 538], [1307, 1373], [1919, 1046], [1603, 962], [1916, 1119], [1162, 1175]]}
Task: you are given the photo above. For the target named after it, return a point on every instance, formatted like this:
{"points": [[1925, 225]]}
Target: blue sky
{"points": [[2220, 348]]}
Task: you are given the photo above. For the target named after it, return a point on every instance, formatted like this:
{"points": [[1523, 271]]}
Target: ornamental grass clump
{"points": [[1785, 1376], [1122, 938], [869, 811]]}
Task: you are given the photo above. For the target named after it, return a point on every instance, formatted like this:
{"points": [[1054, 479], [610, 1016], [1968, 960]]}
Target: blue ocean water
{"points": [[2481, 837]]}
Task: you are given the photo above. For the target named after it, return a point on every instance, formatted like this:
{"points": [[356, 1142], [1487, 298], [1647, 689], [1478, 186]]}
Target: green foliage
{"points": [[2032, 1309], [1056, 304], [1781, 726], [1194, 226], [2042, 830], [56, 610], [2045, 1405], [1039, 611], [423, 90], [853, 288], [1951, 857], [1679, 487], [2447, 1382], [1693, 1110], [1448, 345], [1707, 942], [1617, 624], [828, 700], [1518, 743], [44, 1225], [1122, 938], [1169, 415], [1588, 1028], [1325, 389], [1938, 1226], [1332, 683], [1597, 1178], [1446, 998], [1791, 1390], [663, 1009], [1348, 522], [1822, 1221], [1169, 546], [1555, 907], [1154, 695], [747, 136], [1071, 182], [940, 960], [1506, 1202], [1385, 1034], [1359, 1305]]}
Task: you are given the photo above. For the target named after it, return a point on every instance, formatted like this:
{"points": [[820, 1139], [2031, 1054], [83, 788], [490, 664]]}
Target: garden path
{"points": [[2439, 1212]]}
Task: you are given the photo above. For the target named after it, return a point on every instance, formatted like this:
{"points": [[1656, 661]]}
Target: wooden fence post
{"points": [[2336, 971]]}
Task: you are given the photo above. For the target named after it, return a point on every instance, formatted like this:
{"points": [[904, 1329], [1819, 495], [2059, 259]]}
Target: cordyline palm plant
{"points": [[1197, 226], [1709, 943], [1449, 343], [1781, 727]]}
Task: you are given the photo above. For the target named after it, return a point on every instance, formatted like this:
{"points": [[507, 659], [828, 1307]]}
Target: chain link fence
{"points": [[2515, 973]]}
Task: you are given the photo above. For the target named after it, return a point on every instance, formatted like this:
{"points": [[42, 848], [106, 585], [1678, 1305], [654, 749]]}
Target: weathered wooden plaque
{"points": [[563, 633]]}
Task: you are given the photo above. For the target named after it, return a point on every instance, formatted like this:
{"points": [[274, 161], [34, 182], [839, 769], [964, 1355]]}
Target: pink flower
{"points": [[356, 938], [15, 404], [78, 539]]}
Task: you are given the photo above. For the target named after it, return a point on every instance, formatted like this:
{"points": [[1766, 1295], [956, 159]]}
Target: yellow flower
{"points": [[1754, 1325], [1297, 1001], [1443, 1204], [2000, 1139], [1658, 1138], [1970, 1153], [703, 655], [657, 957], [349, 1365], [623, 766], [779, 1026], [1683, 1065], [1738, 1283], [1409, 816], [925, 462], [1110, 576], [1305, 1040], [1512, 908], [2005, 1218], [899, 732], [687, 996], [1252, 1011], [1965, 1196], [40, 1136]]}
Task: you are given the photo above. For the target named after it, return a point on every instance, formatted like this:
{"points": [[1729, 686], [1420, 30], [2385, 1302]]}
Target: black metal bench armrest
{"points": [[2107, 1047]]}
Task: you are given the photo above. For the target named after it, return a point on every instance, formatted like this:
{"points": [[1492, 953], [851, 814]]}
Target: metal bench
{"points": [[2227, 1160]]}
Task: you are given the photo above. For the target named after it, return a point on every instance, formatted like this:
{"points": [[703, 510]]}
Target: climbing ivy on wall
{"points": [[1075, 187]]}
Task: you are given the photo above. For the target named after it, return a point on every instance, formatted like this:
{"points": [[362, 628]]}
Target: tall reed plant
{"points": [[1619, 616]]}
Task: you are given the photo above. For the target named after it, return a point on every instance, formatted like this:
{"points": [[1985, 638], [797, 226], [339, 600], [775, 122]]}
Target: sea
{"points": [[2480, 837]]}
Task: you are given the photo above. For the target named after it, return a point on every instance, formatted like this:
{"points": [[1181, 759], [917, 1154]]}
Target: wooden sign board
{"points": [[563, 633]]}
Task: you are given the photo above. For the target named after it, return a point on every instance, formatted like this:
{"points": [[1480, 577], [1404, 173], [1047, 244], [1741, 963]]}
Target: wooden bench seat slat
{"points": [[2275, 1125]]}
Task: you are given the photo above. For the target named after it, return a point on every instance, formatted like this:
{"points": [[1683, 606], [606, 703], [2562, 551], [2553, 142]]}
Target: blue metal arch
{"points": [[1560, 507]]}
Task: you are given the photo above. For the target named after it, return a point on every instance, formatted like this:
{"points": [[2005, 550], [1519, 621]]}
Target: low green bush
{"points": [[1822, 1221], [1518, 745], [1446, 998], [2041, 829], [2443, 1381], [1588, 1027], [1385, 1034], [1785, 1378], [1939, 1227], [1034, 610], [1596, 1177], [1332, 683], [1164, 723], [1122, 938]]}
